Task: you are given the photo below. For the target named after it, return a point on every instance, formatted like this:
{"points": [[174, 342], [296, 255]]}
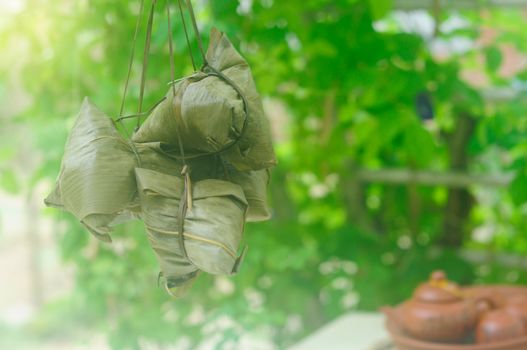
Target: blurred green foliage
{"points": [[348, 89]]}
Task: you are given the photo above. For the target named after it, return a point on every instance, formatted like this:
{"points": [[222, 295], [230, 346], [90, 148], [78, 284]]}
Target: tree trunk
{"points": [[460, 201]]}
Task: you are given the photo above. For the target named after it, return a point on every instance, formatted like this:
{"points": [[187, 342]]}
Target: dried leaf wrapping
{"points": [[254, 185], [213, 229], [96, 181]]}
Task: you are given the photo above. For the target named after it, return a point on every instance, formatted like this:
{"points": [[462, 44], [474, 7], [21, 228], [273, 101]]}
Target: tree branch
{"points": [[453, 179]]}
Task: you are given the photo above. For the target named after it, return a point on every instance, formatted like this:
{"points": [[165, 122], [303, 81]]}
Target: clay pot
{"points": [[404, 342], [499, 325], [517, 306], [438, 311], [499, 295]]}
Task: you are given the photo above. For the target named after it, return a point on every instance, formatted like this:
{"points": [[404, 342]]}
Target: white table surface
{"points": [[353, 331]]}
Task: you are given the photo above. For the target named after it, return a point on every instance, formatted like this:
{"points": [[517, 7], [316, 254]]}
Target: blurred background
{"points": [[401, 132]]}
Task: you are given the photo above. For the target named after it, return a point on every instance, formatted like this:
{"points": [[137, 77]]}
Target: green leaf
{"points": [[493, 58], [379, 8], [419, 144], [518, 189]]}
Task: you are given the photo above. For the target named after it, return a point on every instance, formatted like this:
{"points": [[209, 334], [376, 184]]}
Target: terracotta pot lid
{"points": [[438, 290]]}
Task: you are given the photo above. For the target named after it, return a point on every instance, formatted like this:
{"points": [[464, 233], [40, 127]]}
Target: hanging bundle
{"points": [[194, 172]]}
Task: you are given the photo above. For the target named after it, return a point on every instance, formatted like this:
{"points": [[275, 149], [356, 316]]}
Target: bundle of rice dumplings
{"points": [[194, 208]]}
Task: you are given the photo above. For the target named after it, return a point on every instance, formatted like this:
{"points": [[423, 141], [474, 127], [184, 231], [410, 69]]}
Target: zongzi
{"points": [[216, 110], [96, 182], [213, 229]]}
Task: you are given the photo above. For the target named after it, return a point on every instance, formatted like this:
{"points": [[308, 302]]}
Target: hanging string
{"points": [[145, 59], [172, 77], [132, 56], [171, 49], [147, 50], [196, 31], [185, 202], [184, 22], [127, 83]]}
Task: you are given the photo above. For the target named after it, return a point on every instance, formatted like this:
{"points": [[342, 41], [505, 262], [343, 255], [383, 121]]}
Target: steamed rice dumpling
{"points": [[215, 113], [213, 229], [215, 122], [96, 181]]}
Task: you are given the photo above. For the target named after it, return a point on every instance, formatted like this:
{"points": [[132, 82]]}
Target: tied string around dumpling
{"points": [[185, 202], [185, 205]]}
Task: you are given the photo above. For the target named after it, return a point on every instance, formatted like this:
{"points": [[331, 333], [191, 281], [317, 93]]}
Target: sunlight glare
{"points": [[9, 7]]}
